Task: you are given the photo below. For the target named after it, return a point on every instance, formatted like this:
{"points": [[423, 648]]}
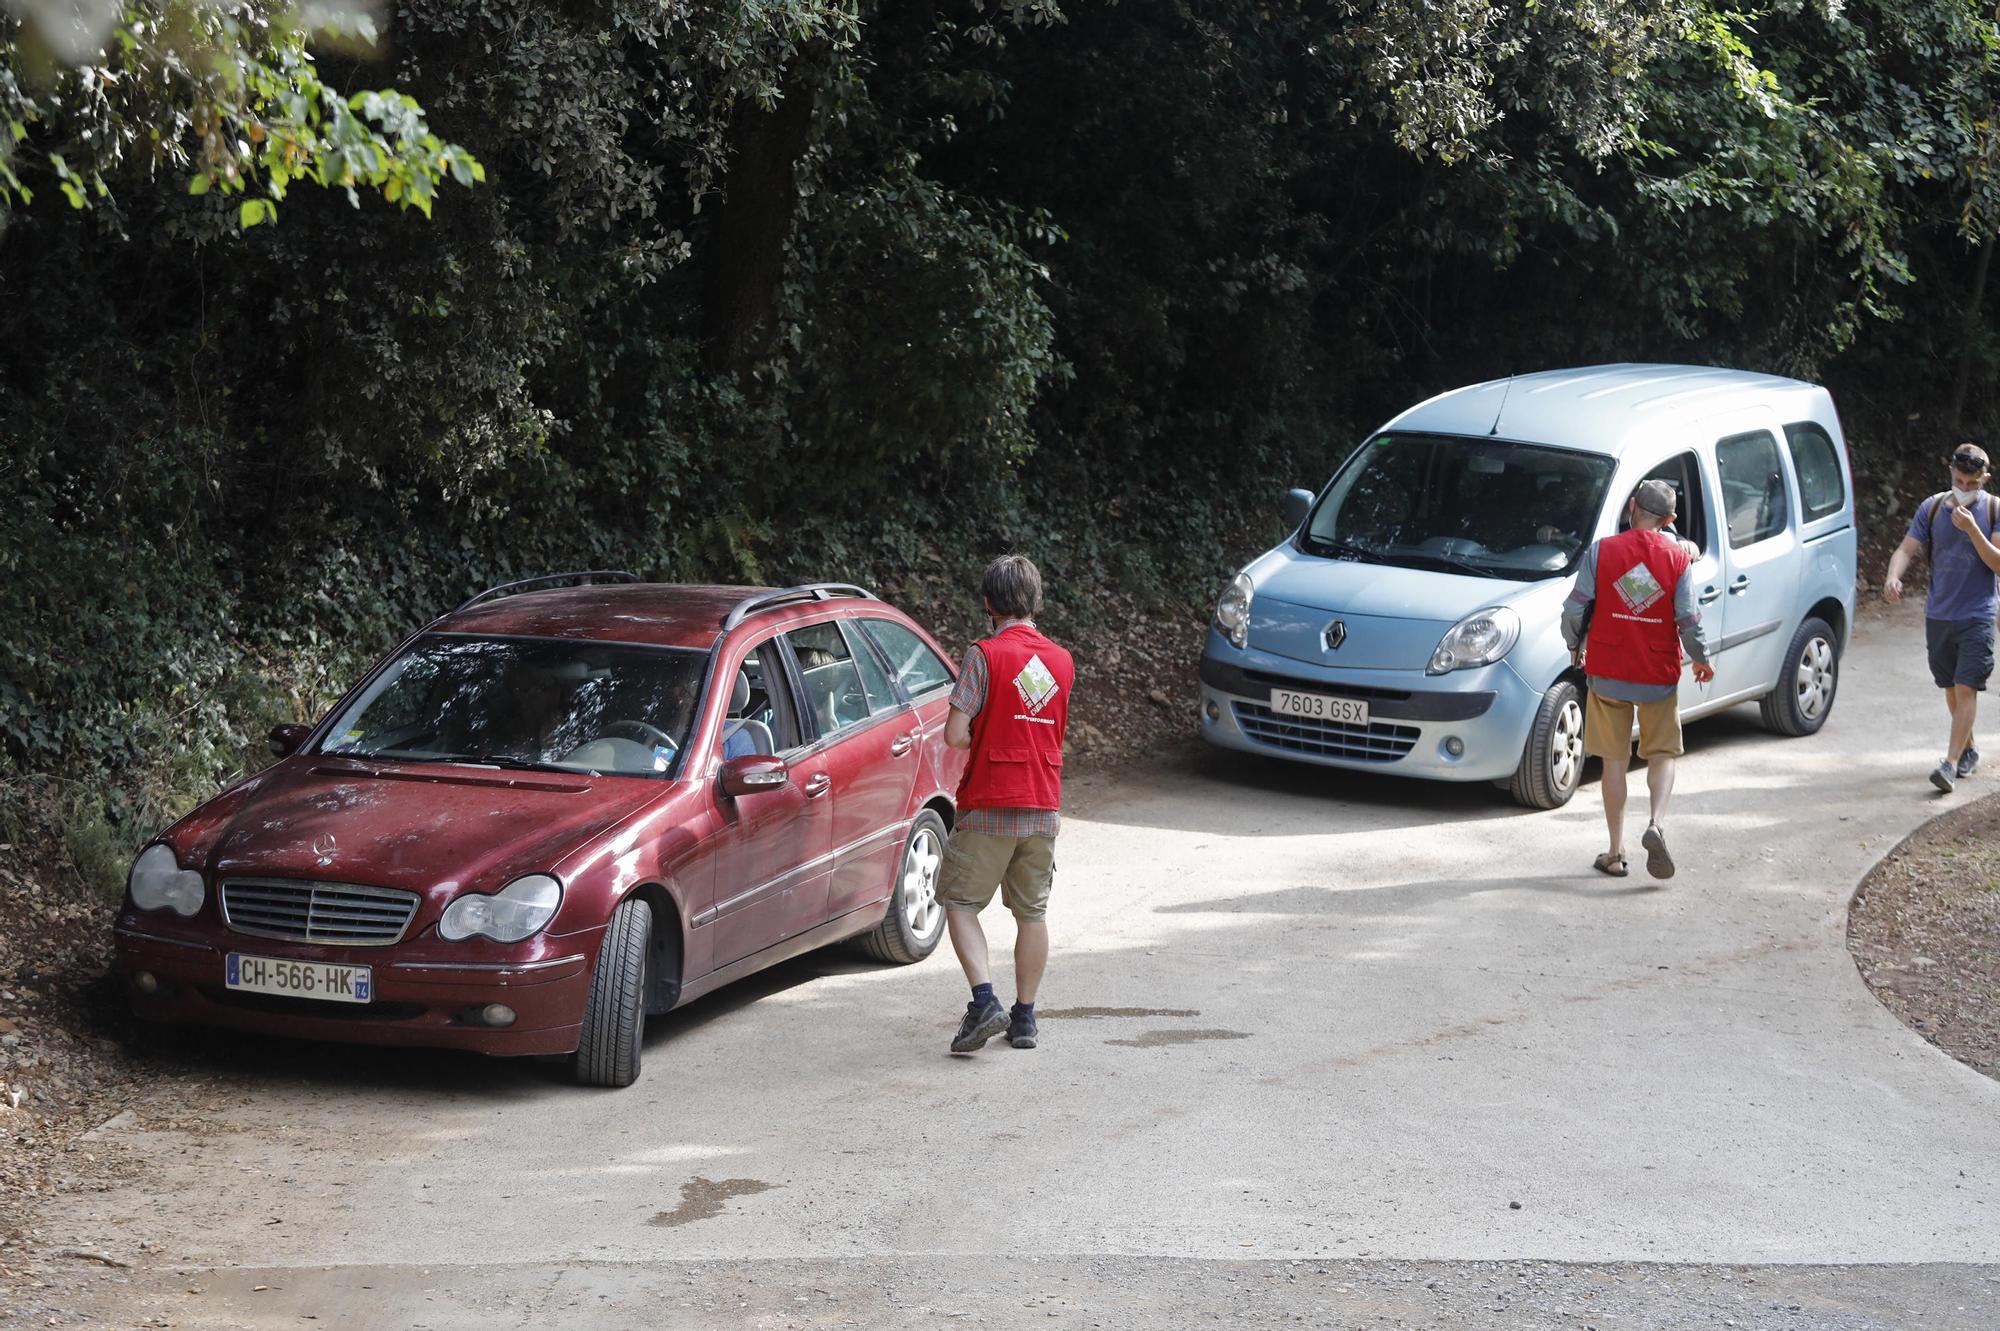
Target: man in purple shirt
{"points": [[1954, 530]]}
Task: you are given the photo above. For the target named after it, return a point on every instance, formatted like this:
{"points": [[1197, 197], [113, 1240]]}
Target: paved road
{"points": [[1306, 1032]]}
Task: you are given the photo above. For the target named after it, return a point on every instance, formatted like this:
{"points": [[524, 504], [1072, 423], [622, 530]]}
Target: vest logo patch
{"points": [[1638, 587], [1035, 685]]}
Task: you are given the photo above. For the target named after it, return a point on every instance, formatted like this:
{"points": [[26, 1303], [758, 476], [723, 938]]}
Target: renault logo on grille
{"points": [[1335, 634], [323, 846]]}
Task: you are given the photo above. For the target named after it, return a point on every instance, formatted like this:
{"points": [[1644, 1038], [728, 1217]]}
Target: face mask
{"points": [[1965, 497]]}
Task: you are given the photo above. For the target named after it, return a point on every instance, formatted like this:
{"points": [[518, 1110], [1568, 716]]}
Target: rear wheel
{"points": [[915, 922], [1806, 683], [1552, 762], [614, 1016]]}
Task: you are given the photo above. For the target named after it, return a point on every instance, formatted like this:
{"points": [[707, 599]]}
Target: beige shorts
{"points": [[1607, 727], [1022, 867]]}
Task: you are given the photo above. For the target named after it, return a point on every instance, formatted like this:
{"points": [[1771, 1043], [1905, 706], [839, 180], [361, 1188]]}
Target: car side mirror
{"points": [[285, 739], [1298, 503], [754, 774]]}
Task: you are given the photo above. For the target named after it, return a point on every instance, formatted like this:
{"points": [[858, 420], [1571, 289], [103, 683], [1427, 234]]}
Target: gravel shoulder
{"points": [[1925, 931], [1053, 1291]]}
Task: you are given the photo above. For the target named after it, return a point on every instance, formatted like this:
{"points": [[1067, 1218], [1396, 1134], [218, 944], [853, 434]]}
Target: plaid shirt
{"points": [[969, 697]]}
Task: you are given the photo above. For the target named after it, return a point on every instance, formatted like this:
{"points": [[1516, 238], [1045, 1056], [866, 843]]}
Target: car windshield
{"points": [[526, 702], [1488, 507]]}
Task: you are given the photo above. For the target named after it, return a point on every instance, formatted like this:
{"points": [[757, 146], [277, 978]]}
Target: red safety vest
{"points": [[1017, 737], [1633, 636]]}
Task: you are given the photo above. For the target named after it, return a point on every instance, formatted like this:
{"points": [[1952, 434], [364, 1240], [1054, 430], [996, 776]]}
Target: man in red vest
{"points": [[1010, 709], [1634, 592]]}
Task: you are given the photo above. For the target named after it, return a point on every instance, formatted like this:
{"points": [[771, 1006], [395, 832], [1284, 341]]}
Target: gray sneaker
{"points": [[1968, 762], [979, 1025], [1941, 776]]}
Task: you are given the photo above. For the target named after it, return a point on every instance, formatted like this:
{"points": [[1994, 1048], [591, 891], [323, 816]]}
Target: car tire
{"points": [[1552, 761], [1807, 682], [614, 1016], [915, 922]]}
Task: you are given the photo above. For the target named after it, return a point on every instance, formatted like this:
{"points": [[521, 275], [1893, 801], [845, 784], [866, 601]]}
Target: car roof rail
{"points": [[811, 591], [613, 574]]}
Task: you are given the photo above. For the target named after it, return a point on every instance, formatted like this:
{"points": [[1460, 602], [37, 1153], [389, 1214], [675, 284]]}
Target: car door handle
{"points": [[1709, 594], [818, 784], [901, 745], [1741, 584]]}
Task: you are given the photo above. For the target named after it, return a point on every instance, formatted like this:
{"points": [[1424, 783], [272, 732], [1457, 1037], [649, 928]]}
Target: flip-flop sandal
{"points": [[1658, 862], [1610, 865]]}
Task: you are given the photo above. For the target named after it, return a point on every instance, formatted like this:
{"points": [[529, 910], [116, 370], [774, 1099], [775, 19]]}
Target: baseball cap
{"points": [[1969, 458], [1656, 497]]}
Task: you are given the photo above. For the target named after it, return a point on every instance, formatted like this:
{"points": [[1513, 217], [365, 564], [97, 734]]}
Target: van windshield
{"points": [[1487, 507]]}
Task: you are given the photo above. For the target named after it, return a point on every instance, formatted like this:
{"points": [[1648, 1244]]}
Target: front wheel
{"points": [[614, 1016], [1806, 683], [915, 922], [1552, 761]]}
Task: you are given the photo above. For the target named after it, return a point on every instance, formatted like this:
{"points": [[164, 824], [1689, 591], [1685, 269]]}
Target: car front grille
{"points": [[351, 914], [1377, 743]]}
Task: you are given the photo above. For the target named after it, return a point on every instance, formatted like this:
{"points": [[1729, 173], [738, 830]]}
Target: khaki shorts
{"points": [[1607, 727], [1022, 867]]}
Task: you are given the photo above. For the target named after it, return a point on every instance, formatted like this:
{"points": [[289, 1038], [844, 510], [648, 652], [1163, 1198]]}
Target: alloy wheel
{"points": [[920, 878], [1566, 746], [1815, 678]]}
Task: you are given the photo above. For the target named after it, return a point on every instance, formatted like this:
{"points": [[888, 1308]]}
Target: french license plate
{"points": [[299, 979], [1344, 711]]}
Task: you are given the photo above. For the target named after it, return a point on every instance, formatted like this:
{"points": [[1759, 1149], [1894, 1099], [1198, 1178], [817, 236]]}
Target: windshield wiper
{"points": [[524, 765], [1456, 565], [1345, 550]]}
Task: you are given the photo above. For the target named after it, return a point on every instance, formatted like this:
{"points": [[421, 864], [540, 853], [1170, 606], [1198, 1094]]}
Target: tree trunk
{"points": [[1968, 338], [739, 296]]}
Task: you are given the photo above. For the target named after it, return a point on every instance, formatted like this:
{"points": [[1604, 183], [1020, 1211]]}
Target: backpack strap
{"points": [[1930, 506]]}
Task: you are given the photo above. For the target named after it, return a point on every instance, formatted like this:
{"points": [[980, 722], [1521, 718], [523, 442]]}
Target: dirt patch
{"points": [[1925, 931], [1161, 1039], [702, 1199]]}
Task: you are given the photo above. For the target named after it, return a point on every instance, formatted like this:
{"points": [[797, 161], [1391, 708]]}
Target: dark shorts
{"points": [[1961, 651]]}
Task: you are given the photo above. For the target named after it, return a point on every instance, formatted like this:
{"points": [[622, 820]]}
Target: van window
{"points": [[1753, 487], [1489, 507], [1821, 492], [1683, 473]]}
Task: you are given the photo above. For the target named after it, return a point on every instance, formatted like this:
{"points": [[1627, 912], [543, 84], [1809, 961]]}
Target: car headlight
{"points": [[158, 882], [1481, 638], [506, 916], [1232, 612]]}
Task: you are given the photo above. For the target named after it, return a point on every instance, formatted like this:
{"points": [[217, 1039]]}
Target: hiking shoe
{"points": [[1967, 762], [979, 1025], [1941, 776], [1021, 1030], [1658, 862]]}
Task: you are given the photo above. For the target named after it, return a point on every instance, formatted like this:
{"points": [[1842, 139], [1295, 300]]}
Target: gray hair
{"points": [[1012, 585]]}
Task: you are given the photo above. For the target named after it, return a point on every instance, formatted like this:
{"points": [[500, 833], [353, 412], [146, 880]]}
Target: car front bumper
{"points": [[416, 1001], [1413, 717]]}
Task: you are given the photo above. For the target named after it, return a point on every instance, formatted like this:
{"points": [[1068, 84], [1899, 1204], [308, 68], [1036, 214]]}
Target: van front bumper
{"points": [[1415, 720]]}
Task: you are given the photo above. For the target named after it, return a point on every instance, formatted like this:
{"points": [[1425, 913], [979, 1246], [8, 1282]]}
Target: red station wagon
{"points": [[553, 812]]}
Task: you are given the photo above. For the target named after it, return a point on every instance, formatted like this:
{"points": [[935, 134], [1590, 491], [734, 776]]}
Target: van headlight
{"points": [[158, 882], [1232, 612], [506, 916], [1481, 638]]}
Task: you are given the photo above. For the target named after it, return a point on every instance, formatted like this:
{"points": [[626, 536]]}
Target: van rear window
{"points": [[1821, 490]]}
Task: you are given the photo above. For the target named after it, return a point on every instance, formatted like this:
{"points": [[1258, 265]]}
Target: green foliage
{"points": [[226, 96], [1095, 281]]}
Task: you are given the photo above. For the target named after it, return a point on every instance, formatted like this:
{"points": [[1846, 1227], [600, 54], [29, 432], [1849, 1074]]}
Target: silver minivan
{"points": [[1411, 623]]}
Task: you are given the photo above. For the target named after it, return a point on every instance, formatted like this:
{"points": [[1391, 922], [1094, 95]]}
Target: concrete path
{"points": [[1297, 1022]]}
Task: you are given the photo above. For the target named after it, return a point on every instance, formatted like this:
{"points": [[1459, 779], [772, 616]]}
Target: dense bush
{"points": [[831, 288]]}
